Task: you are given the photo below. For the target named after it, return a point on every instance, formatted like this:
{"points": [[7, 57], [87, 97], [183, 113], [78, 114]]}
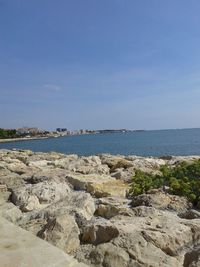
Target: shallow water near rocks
{"points": [[145, 143]]}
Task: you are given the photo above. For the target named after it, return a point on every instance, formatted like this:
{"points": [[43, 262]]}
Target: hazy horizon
{"points": [[100, 64], [96, 129]]}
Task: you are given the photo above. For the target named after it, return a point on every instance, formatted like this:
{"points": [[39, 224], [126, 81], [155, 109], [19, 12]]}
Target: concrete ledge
{"points": [[19, 248]]}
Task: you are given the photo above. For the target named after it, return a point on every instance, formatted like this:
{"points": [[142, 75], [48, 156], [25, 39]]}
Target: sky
{"points": [[100, 64]]}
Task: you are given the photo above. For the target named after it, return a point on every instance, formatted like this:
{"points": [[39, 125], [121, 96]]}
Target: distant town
{"points": [[35, 133]]}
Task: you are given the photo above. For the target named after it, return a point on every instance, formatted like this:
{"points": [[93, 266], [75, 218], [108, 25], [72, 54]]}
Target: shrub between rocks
{"points": [[182, 180]]}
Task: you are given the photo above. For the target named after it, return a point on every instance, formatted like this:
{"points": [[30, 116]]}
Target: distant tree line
{"points": [[182, 180], [7, 133]]}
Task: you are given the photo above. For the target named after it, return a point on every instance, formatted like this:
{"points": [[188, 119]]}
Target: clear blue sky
{"points": [[100, 63]]}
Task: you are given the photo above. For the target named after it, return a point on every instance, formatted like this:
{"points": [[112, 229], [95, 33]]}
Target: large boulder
{"points": [[162, 200], [111, 206], [49, 192], [110, 256], [144, 253], [98, 185], [32, 196], [17, 167], [99, 231], [78, 204], [65, 161], [62, 232], [57, 175]]}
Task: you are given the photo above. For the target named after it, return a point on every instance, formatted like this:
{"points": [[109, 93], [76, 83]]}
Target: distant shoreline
{"points": [[19, 139], [24, 139]]}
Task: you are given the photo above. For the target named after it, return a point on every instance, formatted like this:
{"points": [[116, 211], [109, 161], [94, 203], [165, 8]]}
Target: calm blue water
{"points": [[148, 143]]}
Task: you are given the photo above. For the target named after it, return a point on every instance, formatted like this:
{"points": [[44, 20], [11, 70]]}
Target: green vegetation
{"points": [[4, 134], [182, 180]]}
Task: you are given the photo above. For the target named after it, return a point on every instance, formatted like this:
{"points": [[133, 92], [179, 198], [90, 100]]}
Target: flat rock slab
{"points": [[19, 248], [98, 185]]}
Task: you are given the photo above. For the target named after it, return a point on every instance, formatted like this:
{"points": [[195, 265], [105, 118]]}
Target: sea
{"points": [[142, 143]]}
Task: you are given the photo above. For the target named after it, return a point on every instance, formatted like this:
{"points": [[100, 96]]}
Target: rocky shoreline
{"points": [[81, 205]]}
